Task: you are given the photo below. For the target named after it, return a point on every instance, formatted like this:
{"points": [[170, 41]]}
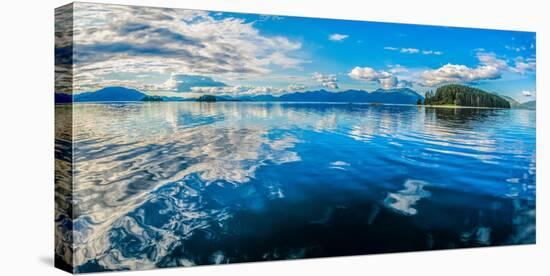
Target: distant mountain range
{"points": [[395, 96], [391, 96], [518, 105], [110, 94], [528, 105]]}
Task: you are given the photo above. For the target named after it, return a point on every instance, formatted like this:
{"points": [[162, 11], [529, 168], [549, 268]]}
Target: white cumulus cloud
{"points": [[527, 93], [328, 81], [414, 51], [490, 67], [337, 37], [386, 79], [453, 73], [113, 40], [524, 65], [409, 50], [244, 90], [239, 90], [432, 52]]}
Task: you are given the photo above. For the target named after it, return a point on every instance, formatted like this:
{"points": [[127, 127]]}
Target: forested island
{"points": [[447, 95], [207, 98], [152, 99], [461, 95]]}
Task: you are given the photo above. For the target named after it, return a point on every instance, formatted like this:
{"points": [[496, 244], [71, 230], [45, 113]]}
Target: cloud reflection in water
{"points": [[178, 184]]}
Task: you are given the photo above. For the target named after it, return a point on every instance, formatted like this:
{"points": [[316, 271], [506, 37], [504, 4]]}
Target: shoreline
{"points": [[463, 106], [286, 102]]}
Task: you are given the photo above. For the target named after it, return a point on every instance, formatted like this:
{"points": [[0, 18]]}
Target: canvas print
{"points": [[187, 137]]}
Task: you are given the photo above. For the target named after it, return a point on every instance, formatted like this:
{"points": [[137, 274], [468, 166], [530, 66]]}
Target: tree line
{"points": [[460, 95]]}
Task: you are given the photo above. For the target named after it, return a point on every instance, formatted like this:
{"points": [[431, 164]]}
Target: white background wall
{"points": [[27, 139]]}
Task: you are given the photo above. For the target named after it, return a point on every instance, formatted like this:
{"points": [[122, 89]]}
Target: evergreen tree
{"points": [[460, 95]]}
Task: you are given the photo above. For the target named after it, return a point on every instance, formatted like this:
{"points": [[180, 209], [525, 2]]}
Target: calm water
{"points": [[179, 184]]}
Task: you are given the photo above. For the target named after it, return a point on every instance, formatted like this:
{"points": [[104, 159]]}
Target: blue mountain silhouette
{"points": [[110, 94]]}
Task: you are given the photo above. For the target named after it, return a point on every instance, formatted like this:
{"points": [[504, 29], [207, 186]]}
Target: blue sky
{"points": [[188, 53]]}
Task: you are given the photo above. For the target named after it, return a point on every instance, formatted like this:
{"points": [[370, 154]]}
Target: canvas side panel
{"points": [[64, 138]]}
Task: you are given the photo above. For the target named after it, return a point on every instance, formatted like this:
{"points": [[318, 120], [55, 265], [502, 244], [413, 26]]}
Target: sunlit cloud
{"points": [[431, 52], [246, 90], [414, 51], [386, 79], [127, 39], [527, 93], [337, 37], [490, 68], [409, 50], [329, 81], [153, 50], [185, 83], [454, 73]]}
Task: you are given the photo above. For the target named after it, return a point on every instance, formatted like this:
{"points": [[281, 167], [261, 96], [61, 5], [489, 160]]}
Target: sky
{"points": [[177, 52]]}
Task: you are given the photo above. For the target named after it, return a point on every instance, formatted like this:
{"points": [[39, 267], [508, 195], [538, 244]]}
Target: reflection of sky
{"points": [[131, 158], [118, 162], [403, 201]]}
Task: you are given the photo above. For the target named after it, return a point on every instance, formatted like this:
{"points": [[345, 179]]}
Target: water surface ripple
{"points": [[179, 184]]}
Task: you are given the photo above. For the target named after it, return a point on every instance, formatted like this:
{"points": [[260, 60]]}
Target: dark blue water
{"points": [[180, 184]]}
